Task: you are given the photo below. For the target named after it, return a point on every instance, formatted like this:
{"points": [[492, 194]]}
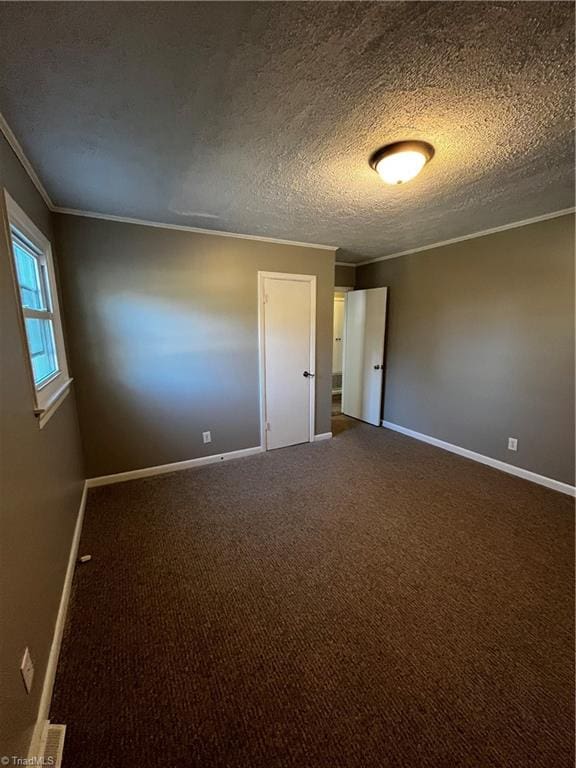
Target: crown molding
{"points": [[482, 233], [21, 155], [184, 228], [29, 168]]}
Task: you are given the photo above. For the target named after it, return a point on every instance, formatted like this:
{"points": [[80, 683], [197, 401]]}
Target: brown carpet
{"points": [[366, 601]]}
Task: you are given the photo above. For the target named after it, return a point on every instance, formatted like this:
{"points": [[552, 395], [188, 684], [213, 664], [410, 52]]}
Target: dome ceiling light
{"points": [[399, 162]]}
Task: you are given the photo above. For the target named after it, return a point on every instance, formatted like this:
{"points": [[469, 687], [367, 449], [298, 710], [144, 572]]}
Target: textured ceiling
{"points": [[259, 118]]}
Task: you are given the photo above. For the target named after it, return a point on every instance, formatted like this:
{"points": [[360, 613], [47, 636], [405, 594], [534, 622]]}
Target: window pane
{"points": [[29, 280], [42, 348]]}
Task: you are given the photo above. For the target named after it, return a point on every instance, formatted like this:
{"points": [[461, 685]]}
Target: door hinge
{"points": [[267, 426], [265, 299]]}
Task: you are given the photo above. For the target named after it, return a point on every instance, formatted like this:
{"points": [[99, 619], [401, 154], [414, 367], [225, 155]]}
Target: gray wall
{"points": [[480, 344], [164, 338], [344, 277], [40, 488]]}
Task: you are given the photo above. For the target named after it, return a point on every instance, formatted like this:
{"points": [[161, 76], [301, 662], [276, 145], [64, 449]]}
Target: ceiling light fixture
{"points": [[402, 161]]}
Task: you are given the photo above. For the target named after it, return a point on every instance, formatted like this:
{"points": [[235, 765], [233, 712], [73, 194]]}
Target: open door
{"points": [[363, 375]]}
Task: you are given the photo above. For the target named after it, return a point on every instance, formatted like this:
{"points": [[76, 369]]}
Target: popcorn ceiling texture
{"points": [[259, 118]]}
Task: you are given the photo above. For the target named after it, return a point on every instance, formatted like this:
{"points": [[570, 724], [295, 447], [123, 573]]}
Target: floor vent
{"points": [[53, 745]]}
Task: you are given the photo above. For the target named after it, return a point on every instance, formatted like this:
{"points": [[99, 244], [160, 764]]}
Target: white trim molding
{"points": [[323, 436], [176, 466], [21, 155], [185, 228], [472, 236], [35, 749], [58, 398], [510, 469], [46, 393], [29, 168]]}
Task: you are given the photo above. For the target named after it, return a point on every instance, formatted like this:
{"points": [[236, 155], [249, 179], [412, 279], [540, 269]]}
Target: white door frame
{"points": [[346, 310], [345, 290], [311, 279]]}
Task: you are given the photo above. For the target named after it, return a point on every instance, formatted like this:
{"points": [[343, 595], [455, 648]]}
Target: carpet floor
{"points": [[361, 602]]}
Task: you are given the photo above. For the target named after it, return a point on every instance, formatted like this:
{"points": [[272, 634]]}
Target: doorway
{"points": [[338, 348], [287, 325], [363, 357], [358, 357]]}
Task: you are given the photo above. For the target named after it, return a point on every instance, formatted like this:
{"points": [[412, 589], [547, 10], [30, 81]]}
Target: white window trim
{"points": [[47, 396]]}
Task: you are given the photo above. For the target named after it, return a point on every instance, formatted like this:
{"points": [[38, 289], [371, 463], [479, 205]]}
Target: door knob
{"points": [[377, 367], [307, 375]]}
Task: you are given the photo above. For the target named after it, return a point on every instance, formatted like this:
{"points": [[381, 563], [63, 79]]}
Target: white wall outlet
{"points": [[27, 670], [512, 443], [207, 437]]}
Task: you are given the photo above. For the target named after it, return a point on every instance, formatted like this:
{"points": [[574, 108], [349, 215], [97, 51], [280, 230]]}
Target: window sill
{"points": [[45, 414]]}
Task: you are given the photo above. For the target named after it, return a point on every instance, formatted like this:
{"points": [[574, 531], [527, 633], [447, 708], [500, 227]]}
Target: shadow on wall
{"points": [[185, 362], [187, 370]]}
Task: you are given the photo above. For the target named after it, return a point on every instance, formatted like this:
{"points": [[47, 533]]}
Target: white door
{"points": [[338, 334], [363, 375], [288, 335]]}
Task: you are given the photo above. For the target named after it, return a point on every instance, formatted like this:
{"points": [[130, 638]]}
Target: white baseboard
{"points": [[323, 436], [526, 474], [176, 466], [50, 675]]}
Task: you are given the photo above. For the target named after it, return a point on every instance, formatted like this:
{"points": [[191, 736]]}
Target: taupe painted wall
{"points": [[40, 488], [344, 277], [164, 338], [480, 344]]}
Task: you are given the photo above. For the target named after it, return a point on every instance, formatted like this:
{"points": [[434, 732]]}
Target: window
{"points": [[36, 286]]}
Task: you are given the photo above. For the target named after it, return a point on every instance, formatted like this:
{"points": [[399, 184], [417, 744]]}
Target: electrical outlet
{"points": [[27, 670], [512, 443], [207, 437]]}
